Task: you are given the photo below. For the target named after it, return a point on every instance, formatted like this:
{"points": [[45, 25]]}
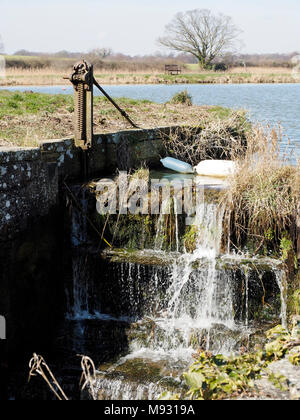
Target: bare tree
{"points": [[199, 32], [101, 52]]}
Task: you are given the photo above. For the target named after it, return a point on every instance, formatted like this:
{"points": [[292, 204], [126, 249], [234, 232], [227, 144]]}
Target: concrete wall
{"points": [[33, 247], [28, 189], [30, 178]]}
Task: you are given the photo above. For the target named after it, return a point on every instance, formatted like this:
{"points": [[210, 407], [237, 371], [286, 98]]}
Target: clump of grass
{"points": [[263, 194], [182, 98]]}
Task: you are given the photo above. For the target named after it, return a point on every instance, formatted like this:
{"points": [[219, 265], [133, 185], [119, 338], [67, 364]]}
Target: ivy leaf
{"points": [[194, 380]]}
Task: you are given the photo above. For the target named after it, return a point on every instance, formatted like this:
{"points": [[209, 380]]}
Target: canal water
{"points": [[269, 104]]}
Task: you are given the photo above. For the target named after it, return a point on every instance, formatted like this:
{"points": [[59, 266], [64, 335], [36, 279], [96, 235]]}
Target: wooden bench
{"points": [[172, 69]]}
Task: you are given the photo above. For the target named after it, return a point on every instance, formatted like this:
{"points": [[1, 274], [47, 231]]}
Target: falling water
{"points": [[176, 209], [282, 284], [195, 310], [247, 273], [160, 231], [197, 298]]}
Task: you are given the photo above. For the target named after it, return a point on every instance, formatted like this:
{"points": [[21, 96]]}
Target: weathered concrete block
{"points": [[30, 177], [10, 155], [26, 194]]}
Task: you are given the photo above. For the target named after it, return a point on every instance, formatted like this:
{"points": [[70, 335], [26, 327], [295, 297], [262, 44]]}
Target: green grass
{"points": [[220, 111], [20, 57], [192, 67], [16, 103], [26, 117], [123, 101], [22, 103]]}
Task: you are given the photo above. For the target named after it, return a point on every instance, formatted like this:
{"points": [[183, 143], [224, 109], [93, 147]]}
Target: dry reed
{"points": [[263, 194]]}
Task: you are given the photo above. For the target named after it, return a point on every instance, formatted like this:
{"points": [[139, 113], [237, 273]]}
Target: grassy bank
{"points": [[26, 118], [54, 76]]}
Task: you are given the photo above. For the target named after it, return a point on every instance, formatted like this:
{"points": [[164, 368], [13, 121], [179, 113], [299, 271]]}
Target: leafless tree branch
{"points": [[202, 34]]}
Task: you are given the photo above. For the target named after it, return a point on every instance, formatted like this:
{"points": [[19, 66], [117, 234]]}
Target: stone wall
{"points": [[34, 261], [28, 189], [30, 178]]}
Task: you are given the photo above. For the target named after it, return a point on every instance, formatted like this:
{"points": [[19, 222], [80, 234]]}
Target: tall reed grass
{"points": [[263, 197]]}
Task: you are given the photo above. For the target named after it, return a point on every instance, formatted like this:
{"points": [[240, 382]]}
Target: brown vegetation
{"points": [[263, 196], [153, 75], [210, 138]]}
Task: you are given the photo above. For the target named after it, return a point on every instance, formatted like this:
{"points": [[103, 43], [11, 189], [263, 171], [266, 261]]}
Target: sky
{"points": [[133, 26]]}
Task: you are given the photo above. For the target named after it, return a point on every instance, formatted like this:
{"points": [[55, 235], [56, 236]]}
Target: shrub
{"points": [[220, 67], [182, 98]]}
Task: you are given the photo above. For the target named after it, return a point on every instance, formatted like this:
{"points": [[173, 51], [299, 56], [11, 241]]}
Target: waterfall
{"points": [[115, 389], [176, 209], [169, 303], [246, 294], [283, 287], [197, 298], [160, 230], [78, 218]]}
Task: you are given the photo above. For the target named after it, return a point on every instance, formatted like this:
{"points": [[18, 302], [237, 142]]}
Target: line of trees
{"points": [[230, 60]]}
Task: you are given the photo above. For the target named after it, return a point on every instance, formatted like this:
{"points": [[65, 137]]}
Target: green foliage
{"points": [[286, 246], [278, 346], [31, 103], [296, 302], [190, 237], [269, 234], [220, 111], [218, 377], [182, 98], [279, 381], [295, 359], [122, 101]]}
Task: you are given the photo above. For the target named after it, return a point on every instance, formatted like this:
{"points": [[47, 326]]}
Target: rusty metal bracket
{"points": [[82, 80]]}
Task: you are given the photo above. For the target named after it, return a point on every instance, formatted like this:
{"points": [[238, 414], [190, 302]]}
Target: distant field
{"points": [[248, 70], [26, 77], [33, 70]]}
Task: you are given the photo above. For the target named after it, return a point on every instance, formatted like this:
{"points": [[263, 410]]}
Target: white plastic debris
{"points": [[177, 165], [216, 168]]}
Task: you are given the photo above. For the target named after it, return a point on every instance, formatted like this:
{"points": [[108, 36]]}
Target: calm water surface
{"points": [[266, 103]]}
